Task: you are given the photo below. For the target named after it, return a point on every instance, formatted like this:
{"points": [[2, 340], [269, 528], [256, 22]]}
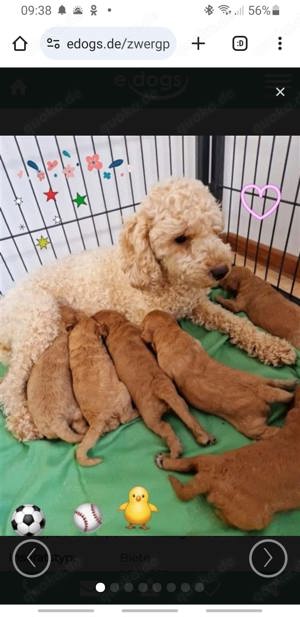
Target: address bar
{"points": [[108, 43]]}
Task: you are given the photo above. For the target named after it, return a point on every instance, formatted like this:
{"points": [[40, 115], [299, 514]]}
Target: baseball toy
{"points": [[87, 517]]}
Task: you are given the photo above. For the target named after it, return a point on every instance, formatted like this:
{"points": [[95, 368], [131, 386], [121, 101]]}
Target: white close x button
{"points": [[280, 91]]}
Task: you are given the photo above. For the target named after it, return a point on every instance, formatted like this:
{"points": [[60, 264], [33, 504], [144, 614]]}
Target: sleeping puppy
{"points": [[50, 398], [103, 399], [249, 485], [240, 398], [265, 307], [151, 390]]}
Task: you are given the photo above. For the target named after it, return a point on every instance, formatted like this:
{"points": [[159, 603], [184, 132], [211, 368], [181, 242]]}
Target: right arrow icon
{"points": [[269, 557]]}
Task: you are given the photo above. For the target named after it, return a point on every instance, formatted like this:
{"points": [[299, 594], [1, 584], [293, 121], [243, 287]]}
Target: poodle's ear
{"points": [[138, 259]]}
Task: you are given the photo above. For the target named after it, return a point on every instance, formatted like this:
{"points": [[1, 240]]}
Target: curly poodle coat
{"points": [[168, 257]]}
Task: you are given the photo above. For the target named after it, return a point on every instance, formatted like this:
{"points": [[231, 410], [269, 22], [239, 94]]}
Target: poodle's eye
{"points": [[143, 496], [181, 239], [133, 496]]}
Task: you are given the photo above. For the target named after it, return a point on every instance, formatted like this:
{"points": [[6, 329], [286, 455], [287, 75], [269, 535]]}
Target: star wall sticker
{"points": [[22, 227], [80, 200], [42, 242], [50, 194], [56, 219], [18, 201]]}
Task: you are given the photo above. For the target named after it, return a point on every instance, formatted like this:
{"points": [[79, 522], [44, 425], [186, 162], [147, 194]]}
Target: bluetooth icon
{"points": [[209, 9]]}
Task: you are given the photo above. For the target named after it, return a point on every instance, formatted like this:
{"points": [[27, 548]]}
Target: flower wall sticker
{"points": [[69, 171], [93, 162]]}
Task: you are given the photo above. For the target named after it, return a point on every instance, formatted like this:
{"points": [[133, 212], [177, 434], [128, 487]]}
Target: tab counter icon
{"points": [[240, 43]]}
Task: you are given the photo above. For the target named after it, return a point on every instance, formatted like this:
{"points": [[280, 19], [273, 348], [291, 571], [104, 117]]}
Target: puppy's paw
{"points": [[206, 440], [159, 460]]}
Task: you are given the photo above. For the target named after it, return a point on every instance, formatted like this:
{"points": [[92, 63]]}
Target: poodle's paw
{"points": [[206, 440], [22, 427], [286, 352], [272, 350], [159, 460]]}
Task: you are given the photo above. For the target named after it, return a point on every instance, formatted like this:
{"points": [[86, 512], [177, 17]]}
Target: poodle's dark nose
{"points": [[219, 272]]}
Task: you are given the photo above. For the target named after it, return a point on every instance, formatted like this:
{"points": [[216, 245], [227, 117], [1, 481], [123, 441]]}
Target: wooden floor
{"points": [[285, 282]]}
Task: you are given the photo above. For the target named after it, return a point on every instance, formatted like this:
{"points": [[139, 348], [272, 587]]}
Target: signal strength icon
{"points": [[241, 11], [224, 8]]}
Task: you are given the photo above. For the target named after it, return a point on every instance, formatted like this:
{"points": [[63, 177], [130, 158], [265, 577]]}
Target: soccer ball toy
{"points": [[28, 520]]}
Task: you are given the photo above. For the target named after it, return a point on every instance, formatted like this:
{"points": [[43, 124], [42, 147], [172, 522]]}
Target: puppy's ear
{"points": [[69, 315], [232, 281], [101, 329], [146, 334], [138, 259]]}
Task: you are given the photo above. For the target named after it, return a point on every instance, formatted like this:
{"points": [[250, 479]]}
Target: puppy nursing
{"points": [[151, 390], [103, 399], [49, 389], [258, 299], [249, 485], [238, 397]]}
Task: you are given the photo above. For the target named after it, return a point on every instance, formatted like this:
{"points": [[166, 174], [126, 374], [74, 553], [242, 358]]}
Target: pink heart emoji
{"points": [[51, 165], [20, 173], [260, 191]]}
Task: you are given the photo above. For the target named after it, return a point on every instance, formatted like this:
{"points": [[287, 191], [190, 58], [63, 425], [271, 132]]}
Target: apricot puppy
{"points": [[238, 397], [249, 485], [265, 307], [103, 399], [50, 398], [151, 390]]}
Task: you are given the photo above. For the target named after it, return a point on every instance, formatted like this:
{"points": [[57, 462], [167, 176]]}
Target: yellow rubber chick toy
{"points": [[137, 510]]}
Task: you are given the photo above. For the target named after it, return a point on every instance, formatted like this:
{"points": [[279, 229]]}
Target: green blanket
{"points": [[45, 472]]}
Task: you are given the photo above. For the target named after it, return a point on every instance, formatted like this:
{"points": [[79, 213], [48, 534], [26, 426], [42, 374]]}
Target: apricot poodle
{"points": [[266, 307], [249, 485], [238, 397], [152, 392], [103, 399], [168, 257]]}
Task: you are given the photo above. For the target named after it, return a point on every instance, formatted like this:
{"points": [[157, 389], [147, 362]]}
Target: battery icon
{"points": [[275, 10]]}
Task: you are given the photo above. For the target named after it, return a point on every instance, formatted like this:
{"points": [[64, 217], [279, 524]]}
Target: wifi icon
{"points": [[224, 8]]}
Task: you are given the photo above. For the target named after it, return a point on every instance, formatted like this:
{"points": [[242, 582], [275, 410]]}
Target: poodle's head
{"points": [[174, 238]]}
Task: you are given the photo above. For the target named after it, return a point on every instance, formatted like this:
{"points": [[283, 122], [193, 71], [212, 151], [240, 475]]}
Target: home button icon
{"points": [[20, 44]]}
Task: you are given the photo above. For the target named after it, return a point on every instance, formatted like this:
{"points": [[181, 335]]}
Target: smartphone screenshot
{"points": [[150, 307]]}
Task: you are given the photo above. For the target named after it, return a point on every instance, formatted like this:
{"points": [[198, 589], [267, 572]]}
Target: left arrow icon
{"points": [[29, 558]]}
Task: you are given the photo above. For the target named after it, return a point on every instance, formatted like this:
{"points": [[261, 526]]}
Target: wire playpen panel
{"points": [[64, 194]]}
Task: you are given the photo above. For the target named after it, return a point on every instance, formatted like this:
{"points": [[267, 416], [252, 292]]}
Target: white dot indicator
{"points": [[100, 587]]}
